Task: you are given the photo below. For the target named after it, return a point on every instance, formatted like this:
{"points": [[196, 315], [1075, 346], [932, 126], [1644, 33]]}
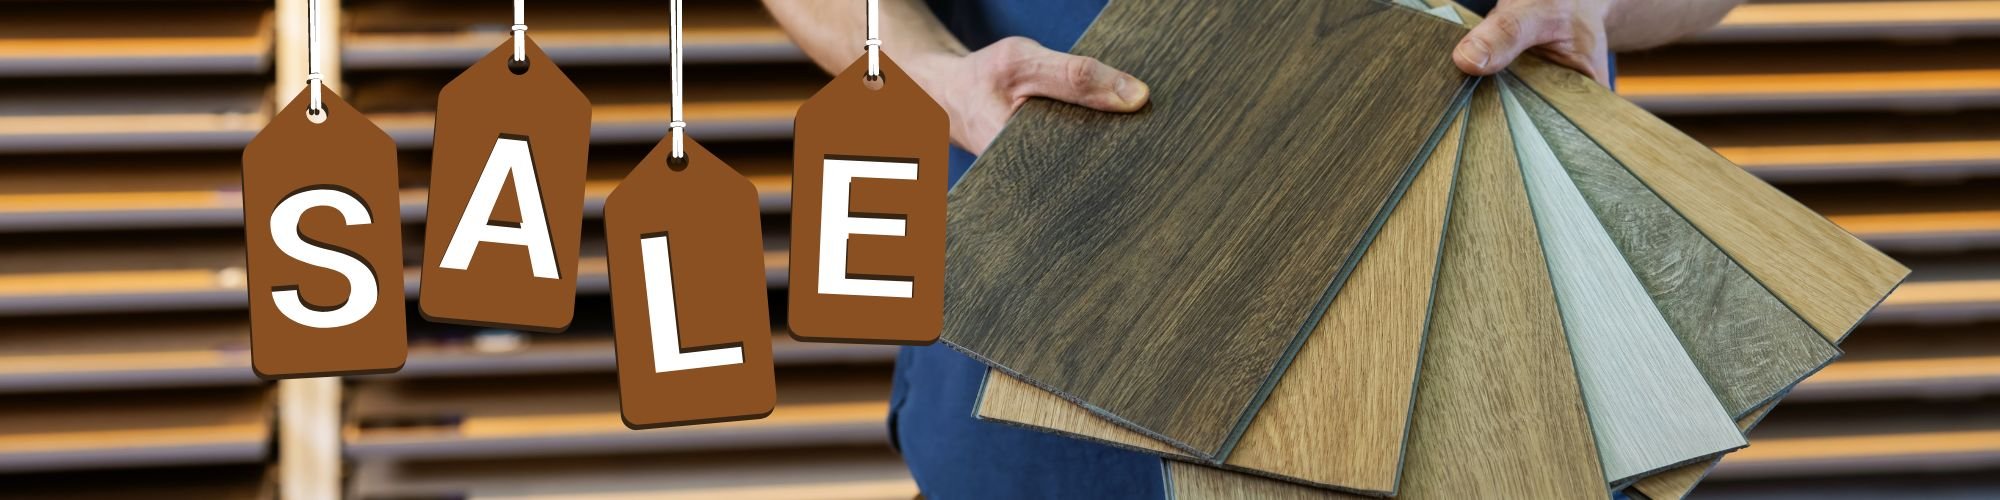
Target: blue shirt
{"points": [[952, 454]]}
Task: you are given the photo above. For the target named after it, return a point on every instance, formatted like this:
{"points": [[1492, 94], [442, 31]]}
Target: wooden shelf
{"points": [[1717, 79], [848, 473], [181, 113], [1912, 218], [1859, 20], [629, 105], [74, 39], [107, 430], [494, 418], [1836, 439], [1909, 363], [1846, 147], [383, 35], [220, 482], [118, 352], [66, 275]]}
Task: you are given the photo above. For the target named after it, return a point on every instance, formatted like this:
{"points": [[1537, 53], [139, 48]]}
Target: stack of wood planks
{"points": [[124, 365]]}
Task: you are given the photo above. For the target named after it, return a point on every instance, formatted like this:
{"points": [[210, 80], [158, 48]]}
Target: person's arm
{"points": [[1574, 32], [980, 89]]}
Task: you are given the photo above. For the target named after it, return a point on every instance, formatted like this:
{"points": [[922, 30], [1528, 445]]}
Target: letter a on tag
{"points": [[868, 190], [325, 245], [687, 293], [506, 195]]}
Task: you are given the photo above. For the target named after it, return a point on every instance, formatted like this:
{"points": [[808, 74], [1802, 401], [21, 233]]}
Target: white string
{"points": [[520, 33], [678, 126], [313, 78], [874, 43]]}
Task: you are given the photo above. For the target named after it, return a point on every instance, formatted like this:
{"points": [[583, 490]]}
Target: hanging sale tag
{"points": [[506, 195], [325, 244], [688, 293], [868, 190]]}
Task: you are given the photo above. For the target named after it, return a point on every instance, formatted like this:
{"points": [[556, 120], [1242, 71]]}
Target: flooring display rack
{"points": [[124, 364]]}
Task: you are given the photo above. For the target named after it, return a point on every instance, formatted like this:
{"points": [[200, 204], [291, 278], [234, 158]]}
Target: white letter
{"points": [[510, 157], [660, 311], [835, 225], [360, 281]]}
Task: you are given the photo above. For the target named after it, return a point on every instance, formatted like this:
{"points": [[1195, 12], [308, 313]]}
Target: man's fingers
{"points": [[1079, 80], [1494, 43]]}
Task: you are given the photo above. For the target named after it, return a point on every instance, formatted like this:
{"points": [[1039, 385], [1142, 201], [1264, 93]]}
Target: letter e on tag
{"points": [[688, 296], [868, 200], [325, 245], [506, 196]]}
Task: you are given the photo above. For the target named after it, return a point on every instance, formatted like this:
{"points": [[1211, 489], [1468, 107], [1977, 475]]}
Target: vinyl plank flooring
{"points": [[1649, 406], [1828, 276], [1499, 409], [1674, 484], [1365, 348], [1749, 346], [1105, 256]]}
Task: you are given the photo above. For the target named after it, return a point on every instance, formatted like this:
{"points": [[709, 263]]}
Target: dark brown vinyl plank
{"points": [[1110, 257]]}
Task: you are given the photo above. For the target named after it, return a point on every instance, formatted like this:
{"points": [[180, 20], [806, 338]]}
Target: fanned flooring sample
{"points": [[1825, 274], [1649, 407], [1499, 412], [1338, 416], [1157, 265], [1748, 345], [1674, 484]]}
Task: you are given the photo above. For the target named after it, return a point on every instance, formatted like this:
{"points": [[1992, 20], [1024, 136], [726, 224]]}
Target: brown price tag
{"points": [[325, 245], [506, 196], [687, 292], [868, 190]]}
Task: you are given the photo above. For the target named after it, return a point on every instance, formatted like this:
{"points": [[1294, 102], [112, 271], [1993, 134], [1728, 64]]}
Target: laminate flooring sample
{"points": [[1749, 346], [1676, 483], [1338, 417], [1499, 411], [1163, 266], [1828, 276], [1649, 406]]}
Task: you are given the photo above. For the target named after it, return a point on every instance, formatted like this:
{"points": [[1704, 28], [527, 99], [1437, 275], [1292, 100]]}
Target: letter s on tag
{"points": [[324, 241]]}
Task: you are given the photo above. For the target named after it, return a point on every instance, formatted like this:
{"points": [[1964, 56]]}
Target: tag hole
{"points": [[518, 67], [316, 116], [676, 164], [873, 83]]}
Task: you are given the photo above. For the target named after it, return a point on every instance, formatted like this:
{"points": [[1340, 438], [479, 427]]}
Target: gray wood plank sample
{"points": [[1650, 408], [1163, 266], [1750, 346]]}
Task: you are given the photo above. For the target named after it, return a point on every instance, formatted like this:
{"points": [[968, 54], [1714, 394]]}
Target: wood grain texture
{"points": [[1499, 411], [1825, 274], [1649, 407], [1748, 345], [1676, 483], [1108, 256], [1365, 350]]}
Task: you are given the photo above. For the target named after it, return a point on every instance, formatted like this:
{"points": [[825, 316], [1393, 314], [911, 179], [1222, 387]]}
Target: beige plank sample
{"points": [[1747, 344], [1649, 406], [1365, 348], [1830, 277]]}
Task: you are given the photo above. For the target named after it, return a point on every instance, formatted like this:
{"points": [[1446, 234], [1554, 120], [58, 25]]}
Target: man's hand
{"points": [[981, 89], [1567, 32], [1581, 33]]}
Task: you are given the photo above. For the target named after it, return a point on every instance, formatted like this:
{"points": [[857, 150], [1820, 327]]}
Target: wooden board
{"points": [[1825, 274], [1649, 406], [1106, 255], [1499, 408], [1748, 345], [1675, 483], [1366, 349]]}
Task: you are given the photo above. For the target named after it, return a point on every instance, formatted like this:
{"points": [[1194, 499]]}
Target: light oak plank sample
{"points": [[1107, 256], [1747, 344], [1649, 406], [1828, 276], [1499, 411], [1365, 349]]}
